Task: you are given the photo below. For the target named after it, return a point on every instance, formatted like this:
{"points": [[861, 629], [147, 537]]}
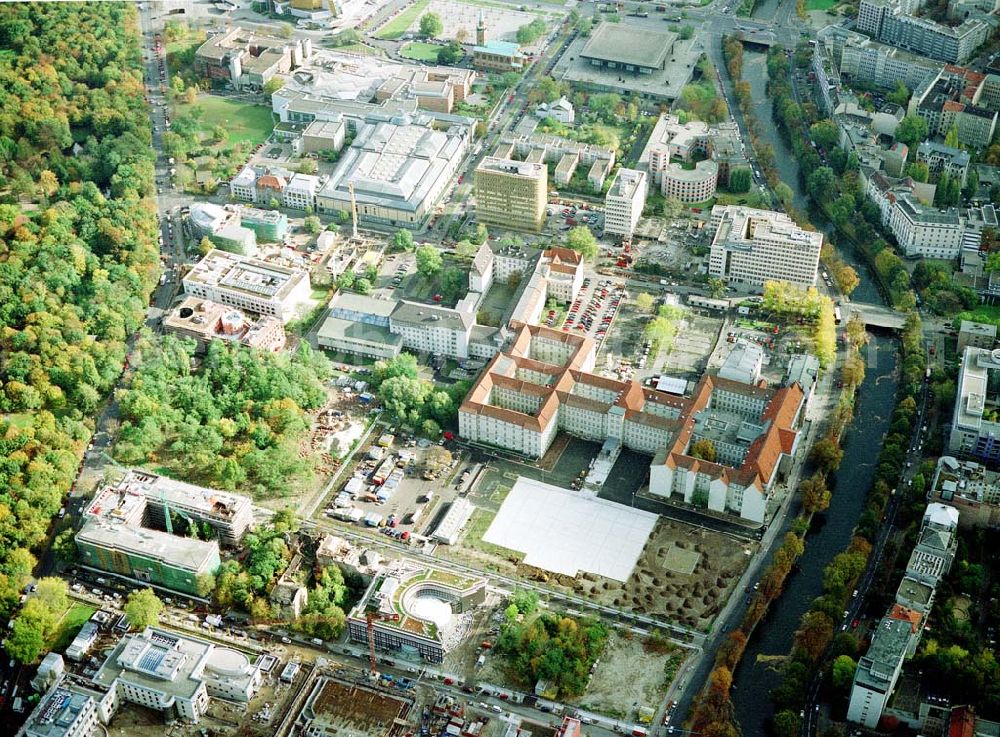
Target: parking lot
{"points": [[594, 310], [400, 486]]}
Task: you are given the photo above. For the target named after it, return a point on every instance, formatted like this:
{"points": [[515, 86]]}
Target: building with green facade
{"points": [[269, 225], [151, 556], [115, 538]]}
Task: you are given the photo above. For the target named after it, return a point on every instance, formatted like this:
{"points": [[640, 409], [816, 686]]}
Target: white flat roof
{"points": [[567, 532]]}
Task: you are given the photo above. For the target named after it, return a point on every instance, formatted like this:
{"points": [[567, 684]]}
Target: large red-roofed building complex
{"points": [[543, 384]]}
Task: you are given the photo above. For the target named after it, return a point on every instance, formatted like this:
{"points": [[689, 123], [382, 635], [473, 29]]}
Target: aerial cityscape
{"points": [[495, 368]]}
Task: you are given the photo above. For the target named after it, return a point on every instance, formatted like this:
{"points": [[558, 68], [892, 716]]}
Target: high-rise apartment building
{"points": [[511, 194], [624, 202], [752, 247]]}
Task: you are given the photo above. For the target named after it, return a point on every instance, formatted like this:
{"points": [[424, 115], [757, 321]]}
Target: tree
{"points": [[815, 494], [951, 137], [402, 240], [784, 194], [821, 184], [64, 546], [900, 95], [826, 454], [911, 130], [704, 449], [362, 286], [205, 584], [52, 593], [672, 208], [429, 260], [466, 249], [918, 171], [581, 240], [531, 32], [450, 54], [740, 180], [312, 225], [644, 302], [480, 235], [842, 672], [431, 25], [716, 288], [48, 183], [143, 609], [686, 32], [27, 637], [824, 134], [429, 428]]}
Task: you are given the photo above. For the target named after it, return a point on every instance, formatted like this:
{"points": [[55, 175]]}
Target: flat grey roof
{"points": [[182, 552], [628, 44], [415, 313], [334, 328]]}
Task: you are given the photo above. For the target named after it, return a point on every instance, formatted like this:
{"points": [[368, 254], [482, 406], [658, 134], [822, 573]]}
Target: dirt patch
{"points": [[689, 599], [618, 688], [960, 608]]}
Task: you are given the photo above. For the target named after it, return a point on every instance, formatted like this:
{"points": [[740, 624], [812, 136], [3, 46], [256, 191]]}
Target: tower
{"points": [[481, 30]]}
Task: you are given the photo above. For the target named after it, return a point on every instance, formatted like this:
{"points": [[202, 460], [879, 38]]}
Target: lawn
{"points": [[821, 4], [70, 624], [401, 23], [984, 313], [243, 122], [420, 51]]}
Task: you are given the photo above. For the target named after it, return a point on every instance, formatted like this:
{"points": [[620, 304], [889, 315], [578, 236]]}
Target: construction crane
{"points": [[354, 211], [372, 616]]}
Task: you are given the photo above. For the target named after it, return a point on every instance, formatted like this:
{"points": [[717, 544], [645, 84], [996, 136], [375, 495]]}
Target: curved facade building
{"points": [[690, 185]]}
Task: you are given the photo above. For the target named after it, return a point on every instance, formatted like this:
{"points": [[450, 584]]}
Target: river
{"points": [[753, 680]]}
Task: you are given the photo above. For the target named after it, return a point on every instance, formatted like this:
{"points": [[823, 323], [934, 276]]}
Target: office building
{"points": [[975, 430], [396, 171], [543, 384], [323, 135], [894, 22], [624, 202], [878, 670], [948, 102], [627, 49], [744, 363], [977, 335], [114, 537], [498, 56], [249, 284], [941, 159], [176, 675], [971, 488], [932, 556], [511, 194], [222, 226], [673, 141], [989, 92], [249, 60], [924, 231], [229, 515], [67, 709], [205, 321], [300, 192], [561, 111], [561, 154], [861, 59], [897, 635], [752, 247], [270, 226], [416, 609], [690, 185]]}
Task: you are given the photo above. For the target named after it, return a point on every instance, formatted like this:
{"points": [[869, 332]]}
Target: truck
{"points": [[382, 472]]}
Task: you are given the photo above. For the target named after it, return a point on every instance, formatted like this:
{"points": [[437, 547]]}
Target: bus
{"points": [[837, 318]]}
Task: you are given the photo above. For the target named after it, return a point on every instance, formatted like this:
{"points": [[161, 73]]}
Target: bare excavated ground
{"points": [[627, 677], [684, 575]]}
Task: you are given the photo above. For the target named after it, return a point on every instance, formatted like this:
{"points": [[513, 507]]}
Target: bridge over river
{"points": [[875, 316]]}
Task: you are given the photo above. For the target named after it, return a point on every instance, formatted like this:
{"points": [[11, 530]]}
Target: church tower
{"points": [[481, 30]]}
